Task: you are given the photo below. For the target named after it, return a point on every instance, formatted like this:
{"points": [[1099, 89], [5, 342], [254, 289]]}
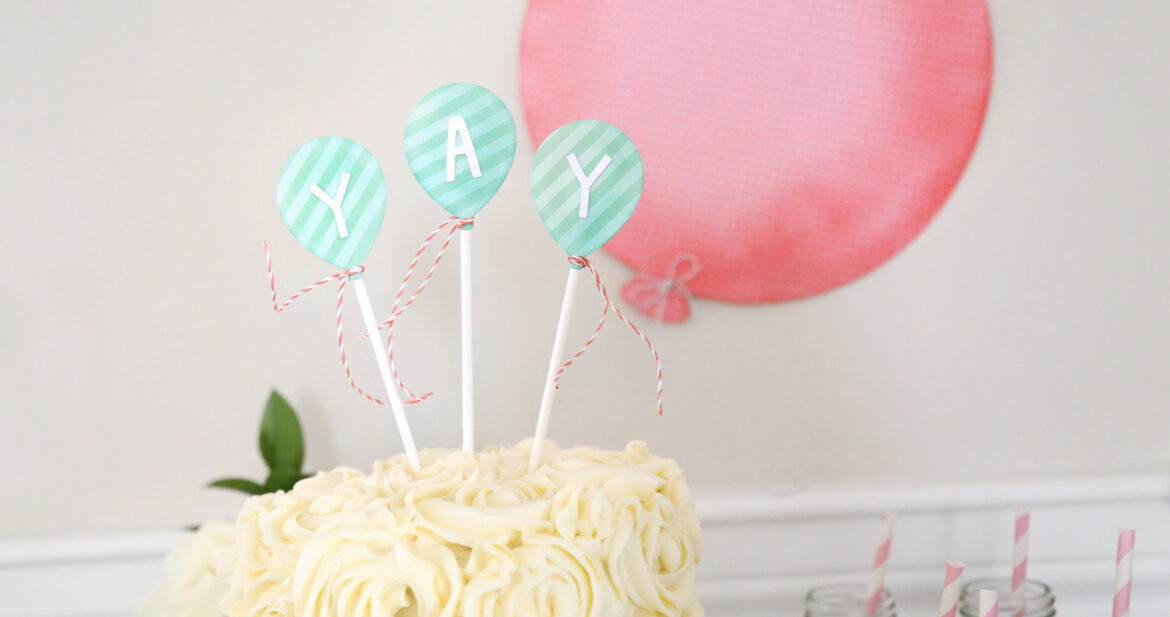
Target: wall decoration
{"points": [[791, 146]]}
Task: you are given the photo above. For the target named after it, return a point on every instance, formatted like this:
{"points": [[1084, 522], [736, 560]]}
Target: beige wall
{"points": [[1025, 333]]}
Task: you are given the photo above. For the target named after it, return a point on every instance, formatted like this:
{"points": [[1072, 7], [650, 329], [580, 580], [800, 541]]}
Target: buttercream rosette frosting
{"points": [[592, 533]]}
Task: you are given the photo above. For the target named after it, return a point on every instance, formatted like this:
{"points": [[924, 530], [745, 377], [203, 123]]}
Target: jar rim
{"points": [[853, 592], [1039, 600]]}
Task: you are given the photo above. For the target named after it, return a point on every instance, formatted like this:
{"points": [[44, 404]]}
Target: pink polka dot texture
{"points": [[791, 145]]}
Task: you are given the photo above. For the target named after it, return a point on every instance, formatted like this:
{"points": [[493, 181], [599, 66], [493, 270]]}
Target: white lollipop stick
{"points": [[554, 362], [359, 288], [465, 314]]}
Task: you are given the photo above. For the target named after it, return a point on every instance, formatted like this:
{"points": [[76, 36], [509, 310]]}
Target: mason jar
{"points": [[844, 600], [1039, 600]]}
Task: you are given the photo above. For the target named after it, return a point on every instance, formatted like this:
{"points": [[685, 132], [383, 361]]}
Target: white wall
{"points": [[1023, 334]]}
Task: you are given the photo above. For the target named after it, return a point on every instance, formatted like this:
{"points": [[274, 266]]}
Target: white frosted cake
{"points": [[592, 533]]}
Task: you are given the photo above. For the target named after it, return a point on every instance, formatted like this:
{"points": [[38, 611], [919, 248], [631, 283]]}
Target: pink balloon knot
{"points": [[668, 298]]}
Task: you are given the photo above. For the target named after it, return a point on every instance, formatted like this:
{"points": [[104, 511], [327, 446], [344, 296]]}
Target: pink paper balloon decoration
{"points": [[790, 145]]}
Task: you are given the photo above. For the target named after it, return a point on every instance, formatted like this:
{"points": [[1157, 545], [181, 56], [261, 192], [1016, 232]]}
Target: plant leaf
{"points": [[282, 480], [243, 485], [282, 444]]}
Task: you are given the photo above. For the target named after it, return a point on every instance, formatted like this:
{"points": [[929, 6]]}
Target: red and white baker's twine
{"points": [[873, 601], [341, 277], [582, 262], [1020, 563], [1123, 583], [952, 585], [455, 223]]}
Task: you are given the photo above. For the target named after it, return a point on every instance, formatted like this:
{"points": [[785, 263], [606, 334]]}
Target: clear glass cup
{"points": [[1039, 600], [844, 600]]}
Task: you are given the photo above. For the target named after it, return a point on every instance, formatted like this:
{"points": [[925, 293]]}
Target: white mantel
{"points": [[764, 548]]}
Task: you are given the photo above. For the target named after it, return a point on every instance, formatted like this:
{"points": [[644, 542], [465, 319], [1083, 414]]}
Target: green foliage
{"points": [[282, 445], [281, 442], [243, 485]]}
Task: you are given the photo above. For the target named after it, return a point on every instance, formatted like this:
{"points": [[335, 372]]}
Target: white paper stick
{"points": [[554, 363], [877, 580], [465, 314], [1020, 563], [359, 288], [1123, 579], [952, 588], [988, 603]]}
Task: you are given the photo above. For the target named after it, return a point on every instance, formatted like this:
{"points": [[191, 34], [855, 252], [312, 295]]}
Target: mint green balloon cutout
{"points": [[612, 196], [312, 180], [493, 141]]}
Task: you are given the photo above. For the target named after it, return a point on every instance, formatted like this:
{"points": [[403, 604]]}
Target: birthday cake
{"points": [[593, 533], [526, 531]]}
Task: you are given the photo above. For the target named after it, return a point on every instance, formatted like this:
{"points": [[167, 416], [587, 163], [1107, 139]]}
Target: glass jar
{"points": [[844, 600], [1039, 600]]}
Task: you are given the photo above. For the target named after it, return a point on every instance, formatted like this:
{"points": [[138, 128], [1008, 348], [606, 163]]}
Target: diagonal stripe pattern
{"points": [[344, 171], [877, 581], [1123, 581], [952, 585], [1020, 563], [493, 137], [613, 195], [988, 603]]}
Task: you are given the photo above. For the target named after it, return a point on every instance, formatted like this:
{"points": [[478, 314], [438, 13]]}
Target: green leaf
{"points": [[240, 484], [283, 479], [282, 444]]}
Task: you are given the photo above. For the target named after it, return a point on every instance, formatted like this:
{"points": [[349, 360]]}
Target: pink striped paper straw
{"points": [[1123, 583], [877, 581], [949, 607], [988, 603], [1020, 562]]}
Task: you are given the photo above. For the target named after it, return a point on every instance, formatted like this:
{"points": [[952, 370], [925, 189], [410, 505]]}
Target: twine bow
{"points": [[582, 262], [651, 295]]}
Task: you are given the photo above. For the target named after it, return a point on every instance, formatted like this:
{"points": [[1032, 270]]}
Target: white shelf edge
{"points": [[739, 505]]}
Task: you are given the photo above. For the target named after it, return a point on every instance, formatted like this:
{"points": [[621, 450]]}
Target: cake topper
{"points": [[332, 197], [460, 141], [586, 181]]}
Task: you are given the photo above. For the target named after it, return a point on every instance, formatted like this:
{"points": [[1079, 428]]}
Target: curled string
{"points": [[582, 262], [341, 277], [455, 223], [650, 296]]}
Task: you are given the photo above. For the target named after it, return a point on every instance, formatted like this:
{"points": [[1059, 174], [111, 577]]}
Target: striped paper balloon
{"points": [[332, 197], [460, 142], [586, 152]]}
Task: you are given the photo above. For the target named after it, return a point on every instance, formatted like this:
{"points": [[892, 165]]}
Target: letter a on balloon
{"points": [[460, 141]]}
